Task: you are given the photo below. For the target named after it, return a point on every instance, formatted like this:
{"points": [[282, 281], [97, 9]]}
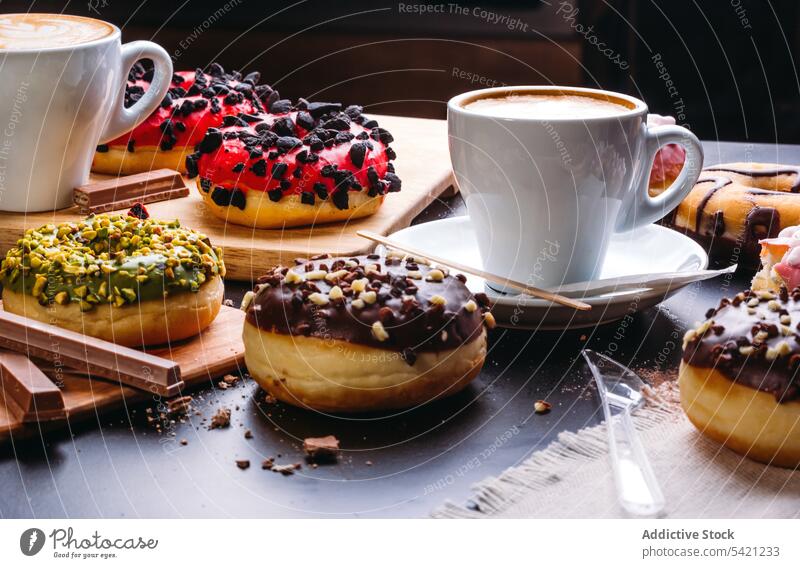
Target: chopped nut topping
{"points": [[765, 295], [368, 297], [358, 303], [359, 285], [774, 306], [489, 320], [542, 407], [786, 319], [781, 349], [414, 274], [109, 259], [747, 350], [752, 302], [293, 277], [247, 300], [336, 293], [331, 276], [379, 332], [319, 299], [471, 306], [435, 275], [316, 275], [704, 327], [438, 300]]}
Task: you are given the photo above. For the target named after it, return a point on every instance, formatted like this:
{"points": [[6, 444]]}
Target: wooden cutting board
{"points": [[216, 351], [423, 165]]}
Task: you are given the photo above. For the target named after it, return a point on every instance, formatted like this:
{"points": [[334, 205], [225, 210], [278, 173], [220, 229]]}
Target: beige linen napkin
{"points": [[572, 478]]}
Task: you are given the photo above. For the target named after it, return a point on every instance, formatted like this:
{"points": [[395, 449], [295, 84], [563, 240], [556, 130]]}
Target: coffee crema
{"points": [[39, 31], [544, 106]]}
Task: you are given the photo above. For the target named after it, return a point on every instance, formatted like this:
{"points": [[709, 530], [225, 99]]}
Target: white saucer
{"points": [[653, 250]]}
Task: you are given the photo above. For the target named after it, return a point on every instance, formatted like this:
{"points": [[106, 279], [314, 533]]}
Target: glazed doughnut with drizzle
{"points": [[733, 206], [120, 278], [364, 333], [300, 164], [196, 101]]}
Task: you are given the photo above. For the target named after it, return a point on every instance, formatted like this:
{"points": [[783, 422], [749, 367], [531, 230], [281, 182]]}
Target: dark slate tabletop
{"points": [[403, 465]]}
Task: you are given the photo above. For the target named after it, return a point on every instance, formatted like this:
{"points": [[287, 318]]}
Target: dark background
{"points": [[733, 62]]}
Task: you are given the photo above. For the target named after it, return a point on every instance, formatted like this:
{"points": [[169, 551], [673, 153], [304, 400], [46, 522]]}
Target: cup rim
{"points": [[114, 35], [639, 107]]}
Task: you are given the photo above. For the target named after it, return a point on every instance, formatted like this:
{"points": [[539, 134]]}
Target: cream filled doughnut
{"points": [[195, 102], [301, 164], [363, 334], [738, 378], [780, 262], [120, 278]]}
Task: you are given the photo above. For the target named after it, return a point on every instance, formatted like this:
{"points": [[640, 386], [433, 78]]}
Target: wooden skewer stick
{"points": [[499, 280]]}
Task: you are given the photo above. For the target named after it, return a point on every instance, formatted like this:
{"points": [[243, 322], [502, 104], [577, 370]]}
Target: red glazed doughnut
{"points": [[195, 102], [301, 164]]}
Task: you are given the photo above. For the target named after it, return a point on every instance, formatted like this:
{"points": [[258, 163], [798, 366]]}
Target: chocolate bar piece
{"points": [[89, 355], [123, 192], [321, 449], [29, 394]]}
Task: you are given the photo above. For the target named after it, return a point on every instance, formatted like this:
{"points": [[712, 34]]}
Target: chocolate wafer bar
{"points": [[123, 192], [28, 393], [89, 355]]}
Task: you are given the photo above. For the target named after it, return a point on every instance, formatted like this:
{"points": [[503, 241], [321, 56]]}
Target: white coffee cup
{"points": [[546, 186], [62, 87]]}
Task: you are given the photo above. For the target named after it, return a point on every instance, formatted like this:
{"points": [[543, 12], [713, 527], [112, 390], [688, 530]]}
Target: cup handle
{"points": [[646, 209], [126, 119]]}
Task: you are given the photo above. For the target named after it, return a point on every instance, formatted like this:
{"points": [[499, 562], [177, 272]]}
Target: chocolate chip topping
{"points": [[753, 340], [306, 140], [389, 302]]}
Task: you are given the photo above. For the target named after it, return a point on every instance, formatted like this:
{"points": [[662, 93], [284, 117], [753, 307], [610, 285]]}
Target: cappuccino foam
{"points": [[546, 106], [37, 31]]}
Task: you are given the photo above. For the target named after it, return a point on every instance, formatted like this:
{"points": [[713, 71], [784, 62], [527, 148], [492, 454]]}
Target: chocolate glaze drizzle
{"points": [[420, 309], [719, 183], [752, 339], [760, 222], [764, 173]]}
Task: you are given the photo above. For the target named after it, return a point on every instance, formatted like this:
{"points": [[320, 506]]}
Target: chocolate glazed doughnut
{"points": [[362, 334], [739, 376], [301, 164], [733, 206], [195, 102]]}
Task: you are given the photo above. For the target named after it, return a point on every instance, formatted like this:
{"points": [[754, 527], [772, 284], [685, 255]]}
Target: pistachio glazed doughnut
{"points": [[119, 278]]}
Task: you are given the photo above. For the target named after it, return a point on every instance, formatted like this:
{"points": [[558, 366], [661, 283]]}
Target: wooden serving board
{"points": [[423, 165], [203, 358]]}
